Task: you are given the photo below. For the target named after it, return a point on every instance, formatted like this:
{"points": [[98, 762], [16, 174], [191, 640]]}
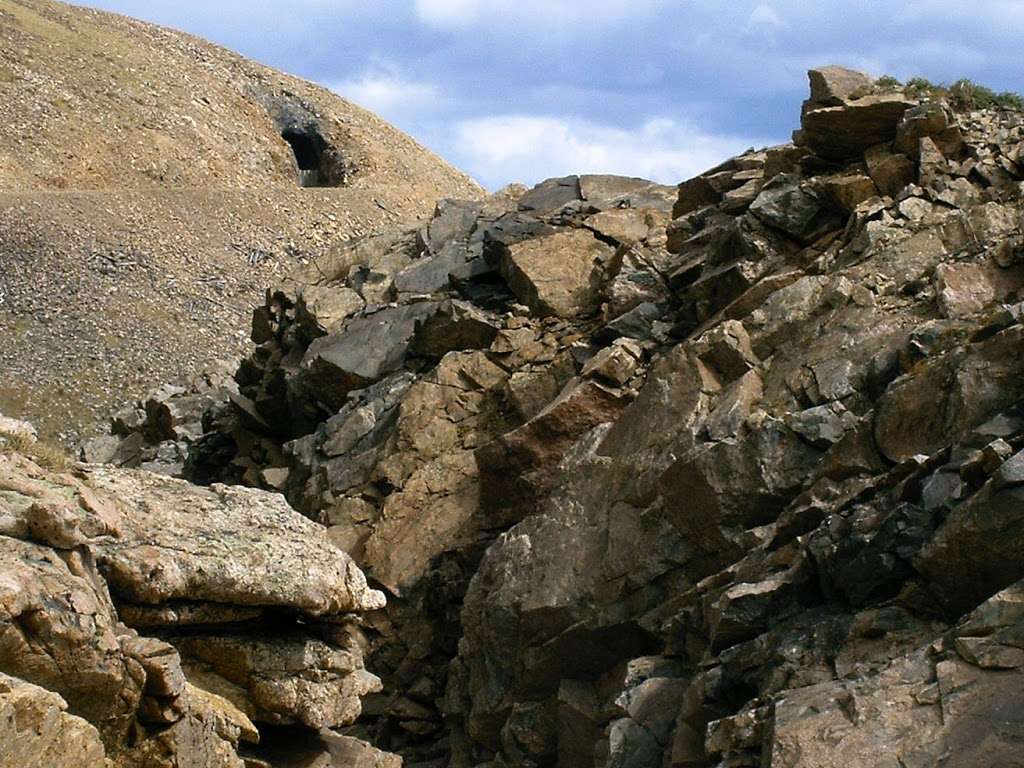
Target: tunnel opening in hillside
{"points": [[312, 156]]}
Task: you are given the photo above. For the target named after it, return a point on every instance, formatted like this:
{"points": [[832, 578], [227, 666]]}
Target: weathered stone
{"points": [[735, 406], [764, 557], [845, 131], [365, 351], [615, 364], [965, 289], [795, 209], [229, 545], [280, 678], [558, 274], [58, 630], [693, 195], [551, 195], [519, 467], [890, 170], [850, 190], [932, 165], [628, 225], [726, 348], [36, 730], [329, 306], [833, 85], [932, 121], [824, 425]]}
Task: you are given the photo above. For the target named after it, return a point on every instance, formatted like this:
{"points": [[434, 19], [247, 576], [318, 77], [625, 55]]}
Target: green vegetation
{"points": [[963, 95]]}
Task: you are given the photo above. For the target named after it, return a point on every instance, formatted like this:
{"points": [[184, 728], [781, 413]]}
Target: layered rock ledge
{"points": [[147, 622]]}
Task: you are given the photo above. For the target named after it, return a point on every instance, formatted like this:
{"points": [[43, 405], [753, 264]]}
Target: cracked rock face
{"points": [[727, 475], [224, 545], [85, 553], [36, 729]]}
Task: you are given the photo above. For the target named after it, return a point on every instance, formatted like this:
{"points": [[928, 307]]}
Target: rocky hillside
{"points": [[723, 476], [150, 189]]}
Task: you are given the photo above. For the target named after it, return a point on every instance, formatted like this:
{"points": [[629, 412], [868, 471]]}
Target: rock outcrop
{"points": [[727, 475], [148, 622]]}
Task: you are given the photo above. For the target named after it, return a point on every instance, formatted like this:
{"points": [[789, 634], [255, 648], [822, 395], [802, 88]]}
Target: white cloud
{"points": [[384, 91], [448, 12], [461, 13], [530, 148], [764, 17]]}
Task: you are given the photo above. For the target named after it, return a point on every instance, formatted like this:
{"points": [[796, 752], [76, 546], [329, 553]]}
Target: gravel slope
{"points": [[148, 196]]}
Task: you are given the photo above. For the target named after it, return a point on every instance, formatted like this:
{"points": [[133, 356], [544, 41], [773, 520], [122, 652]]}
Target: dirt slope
{"points": [[150, 189]]}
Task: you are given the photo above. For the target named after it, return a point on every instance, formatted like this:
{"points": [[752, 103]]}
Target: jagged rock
{"points": [[518, 467], [930, 121], [831, 86], [843, 132], [850, 190], [615, 364], [786, 204], [558, 274], [695, 194], [327, 308], [551, 195], [726, 348], [891, 171], [740, 498], [965, 289], [364, 352], [36, 729]]}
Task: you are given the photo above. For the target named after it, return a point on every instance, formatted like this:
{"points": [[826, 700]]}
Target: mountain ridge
{"points": [[120, 142]]}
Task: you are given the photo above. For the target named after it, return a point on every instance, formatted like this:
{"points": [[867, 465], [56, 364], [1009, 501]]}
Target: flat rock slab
{"points": [[223, 545], [844, 132]]}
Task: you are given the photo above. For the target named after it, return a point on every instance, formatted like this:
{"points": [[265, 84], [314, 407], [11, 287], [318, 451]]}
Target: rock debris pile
{"points": [[728, 475]]}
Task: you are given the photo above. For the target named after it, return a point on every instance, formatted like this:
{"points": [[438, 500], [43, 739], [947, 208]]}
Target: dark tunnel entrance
{"points": [[309, 148]]}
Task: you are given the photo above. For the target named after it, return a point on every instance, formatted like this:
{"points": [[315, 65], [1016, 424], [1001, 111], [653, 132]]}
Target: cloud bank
{"points": [[651, 87]]}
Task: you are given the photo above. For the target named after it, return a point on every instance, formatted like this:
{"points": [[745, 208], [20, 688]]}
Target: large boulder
{"points": [[559, 274], [83, 550], [222, 545], [843, 117]]}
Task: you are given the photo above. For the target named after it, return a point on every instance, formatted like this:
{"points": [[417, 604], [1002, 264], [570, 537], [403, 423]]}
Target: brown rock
{"points": [[518, 467], [177, 546], [890, 170], [557, 274], [694, 194], [844, 132], [967, 288], [279, 679], [36, 730], [833, 85], [850, 190]]}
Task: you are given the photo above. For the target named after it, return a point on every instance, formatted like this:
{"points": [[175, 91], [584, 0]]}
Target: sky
{"points": [[523, 90]]}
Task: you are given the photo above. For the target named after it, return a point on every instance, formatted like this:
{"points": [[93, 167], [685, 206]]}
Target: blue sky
{"points": [[521, 90]]}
